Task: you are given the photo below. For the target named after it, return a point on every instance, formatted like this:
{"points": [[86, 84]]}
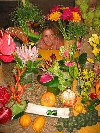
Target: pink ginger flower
{"points": [[45, 78], [25, 53], [68, 63]]}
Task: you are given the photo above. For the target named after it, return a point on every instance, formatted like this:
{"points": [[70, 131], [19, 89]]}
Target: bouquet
{"points": [[63, 15], [61, 74]]}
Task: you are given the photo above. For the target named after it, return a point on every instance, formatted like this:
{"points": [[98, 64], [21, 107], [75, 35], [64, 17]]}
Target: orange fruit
{"points": [[48, 99], [38, 123], [25, 120]]}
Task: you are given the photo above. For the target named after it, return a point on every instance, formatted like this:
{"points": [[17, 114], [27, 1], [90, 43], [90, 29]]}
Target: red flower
{"points": [[67, 15], [5, 114], [54, 9], [4, 95], [93, 95], [46, 78], [76, 9], [7, 44], [7, 58]]}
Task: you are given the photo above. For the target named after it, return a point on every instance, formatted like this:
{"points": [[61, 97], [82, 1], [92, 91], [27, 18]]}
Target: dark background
{"points": [[6, 7]]}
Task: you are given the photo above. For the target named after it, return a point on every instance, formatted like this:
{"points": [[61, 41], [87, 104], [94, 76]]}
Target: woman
{"points": [[49, 40]]}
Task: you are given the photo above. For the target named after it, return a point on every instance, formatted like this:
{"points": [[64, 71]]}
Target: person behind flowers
{"points": [[49, 40]]}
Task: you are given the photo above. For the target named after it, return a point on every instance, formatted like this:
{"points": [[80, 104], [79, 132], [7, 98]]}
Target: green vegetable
{"points": [[17, 108]]}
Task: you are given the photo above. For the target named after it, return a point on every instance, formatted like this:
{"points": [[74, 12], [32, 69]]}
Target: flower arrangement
{"points": [[60, 74], [25, 16], [63, 15]]}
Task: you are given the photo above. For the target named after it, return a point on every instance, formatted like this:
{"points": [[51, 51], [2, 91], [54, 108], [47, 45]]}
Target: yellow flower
{"points": [[96, 51], [94, 45], [91, 39], [85, 72], [96, 38], [54, 16], [76, 17], [90, 60]]}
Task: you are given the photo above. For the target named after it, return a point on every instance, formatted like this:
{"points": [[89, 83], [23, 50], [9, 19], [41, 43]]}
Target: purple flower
{"points": [[45, 78]]}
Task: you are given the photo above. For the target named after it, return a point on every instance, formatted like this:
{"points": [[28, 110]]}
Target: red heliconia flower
{"points": [[54, 9], [67, 15], [7, 58], [4, 95], [45, 78], [5, 115]]}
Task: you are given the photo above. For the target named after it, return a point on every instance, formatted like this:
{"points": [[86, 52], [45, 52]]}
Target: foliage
{"points": [[64, 71], [24, 15], [75, 30], [91, 17]]}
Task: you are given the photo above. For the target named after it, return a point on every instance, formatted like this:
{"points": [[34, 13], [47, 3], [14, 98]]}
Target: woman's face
{"points": [[48, 37]]}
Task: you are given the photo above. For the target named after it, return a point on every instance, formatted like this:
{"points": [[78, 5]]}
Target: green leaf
{"points": [[18, 61], [82, 59], [73, 71], [18, 115], [29, 64], [17, 108]]}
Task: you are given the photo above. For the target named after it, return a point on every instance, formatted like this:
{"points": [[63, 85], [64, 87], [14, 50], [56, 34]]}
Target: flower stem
{"points": [[62, 29]]}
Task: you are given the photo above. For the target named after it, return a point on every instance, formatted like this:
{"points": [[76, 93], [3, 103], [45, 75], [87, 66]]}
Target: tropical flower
{"points": [[46, 77], [7, 58], [25, 53]]}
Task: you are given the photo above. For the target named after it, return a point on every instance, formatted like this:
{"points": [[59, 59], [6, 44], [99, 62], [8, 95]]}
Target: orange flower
{"points": [[76, 17], [54, 16]]}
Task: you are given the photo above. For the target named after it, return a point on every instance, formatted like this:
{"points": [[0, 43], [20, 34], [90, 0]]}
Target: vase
{"points": [[68, 43]]}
